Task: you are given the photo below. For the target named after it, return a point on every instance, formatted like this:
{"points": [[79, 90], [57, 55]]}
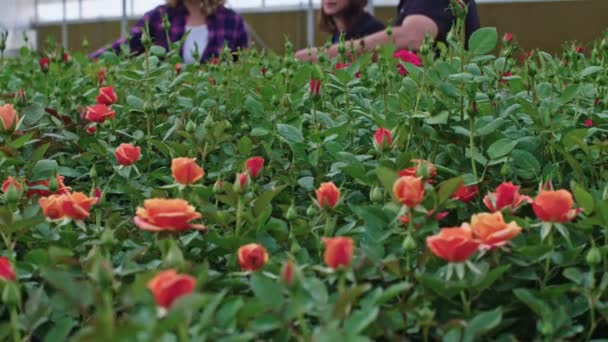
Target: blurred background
{"points": [[544, 24]]}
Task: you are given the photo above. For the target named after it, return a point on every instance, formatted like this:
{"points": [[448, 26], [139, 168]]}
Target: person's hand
{"points": [[307, 55]]}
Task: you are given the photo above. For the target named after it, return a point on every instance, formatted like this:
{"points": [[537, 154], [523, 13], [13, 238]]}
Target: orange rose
{"points": [[52, 206], [8, 118], [160, 214], [127, 154], [453, 244], [338, 251], [492, 230], [409, 190], [185, 171], [328, 195], [77, 205], [252, 257], [554, 206], [167, 286]]}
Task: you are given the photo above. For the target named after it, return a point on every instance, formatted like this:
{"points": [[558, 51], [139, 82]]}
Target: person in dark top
{"points": [[347, 17], [415, 19]]}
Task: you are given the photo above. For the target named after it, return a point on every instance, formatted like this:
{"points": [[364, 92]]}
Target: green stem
{"points": [[15, 324], [472, 146], [182, 330], [328, 226], [547, 267], [465, 303], [239, 210]]}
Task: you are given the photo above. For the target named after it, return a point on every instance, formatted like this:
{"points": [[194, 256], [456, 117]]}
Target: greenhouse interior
{"points": [[304, 170]]}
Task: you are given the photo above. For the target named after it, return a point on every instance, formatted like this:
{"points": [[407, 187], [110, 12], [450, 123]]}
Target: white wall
{"points": [[18, 17]]}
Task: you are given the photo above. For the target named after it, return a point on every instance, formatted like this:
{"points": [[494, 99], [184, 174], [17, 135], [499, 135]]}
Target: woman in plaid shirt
{"points": [[210, 25]]}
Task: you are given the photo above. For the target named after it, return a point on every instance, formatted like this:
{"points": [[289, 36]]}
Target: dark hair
{"points": [[352, 11], [207, 6]]}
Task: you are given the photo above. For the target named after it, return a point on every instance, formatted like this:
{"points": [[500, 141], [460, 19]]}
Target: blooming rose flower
{"points": [[328, 195], [45, 63], [127, 154], [8, 118], [185, 171], [159, 214], [408, 57], [421, 168], [167, 286], [383, 138], [42, 188], [77, 206], [254, 166], [465, 193], [7, 273], [252, 257], [554, 206], [506, 196], [338, 251], [99, 113], [409, 190], [107, 96], [492, 230], [453, 244], [589, 123], [52, 206]]}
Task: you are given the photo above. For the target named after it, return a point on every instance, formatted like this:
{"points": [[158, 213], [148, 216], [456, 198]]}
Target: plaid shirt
{"points": [[224, 25]]}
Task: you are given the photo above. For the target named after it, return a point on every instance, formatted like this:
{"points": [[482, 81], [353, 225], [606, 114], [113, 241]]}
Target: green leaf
{"points": [[135, 102], [524, 164], [290, 133], [60, 330], [583, 199], [44, 169], [483, 41], [32, 114], [22, 140], [393, 291], [537, 305], [482, 323], [590, 70], [501, 148], [570, 93], [263, 201], [387, 177], [447, 189], [267, 290], [245, 145], [360, 319], [348, 299]]}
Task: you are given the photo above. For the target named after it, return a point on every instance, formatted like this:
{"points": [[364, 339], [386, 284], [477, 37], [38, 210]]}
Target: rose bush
{"points": [[268, 199]]}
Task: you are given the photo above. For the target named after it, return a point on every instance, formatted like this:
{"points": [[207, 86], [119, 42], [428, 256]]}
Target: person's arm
{"points": [[135, 40], [242, 40], [409, 35]]}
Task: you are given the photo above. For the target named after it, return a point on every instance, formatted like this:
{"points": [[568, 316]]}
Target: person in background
{"points": [[347, 17], [207, 22], [415, 19]]}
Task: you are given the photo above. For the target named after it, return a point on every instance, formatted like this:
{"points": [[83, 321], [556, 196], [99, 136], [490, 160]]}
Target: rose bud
{"points": [[287, 273], [383, 139], [465, 193], [554, 206], [66, 58], [99, 113], [408, 57], [101, 76], [185, 171], [453, 244], [252, 257], [12, 182], [160, 214], [127, 154], [421, 168], [107, 96], [508, 37], [77, 206], [315, 87], [492, 231], [92, 129], [254, 166], [45, 64], [338, 251], [218, 187], [8, 118], [507, 196], [589, 123], [7, 273], [328, 195], [167, 286], [34, 188], [21, 97], [409, 190]]}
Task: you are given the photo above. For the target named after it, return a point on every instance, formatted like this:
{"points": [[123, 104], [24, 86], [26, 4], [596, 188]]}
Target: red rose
{"points": [[315, 87], [99, 113], [45, 63], [338, 251], [127, 154], [506, 196], [465, 193], [383, 138], [107, 96], [7, 273], [407, 57], [254, 166], [252, 257], [167, 286], [328, 195], [554, 206], [453, 244]]}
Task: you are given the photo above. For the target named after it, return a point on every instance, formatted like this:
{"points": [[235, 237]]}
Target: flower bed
{"points": [[271, 199]]}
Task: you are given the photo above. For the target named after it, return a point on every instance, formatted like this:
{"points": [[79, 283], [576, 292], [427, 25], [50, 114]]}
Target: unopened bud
{"points": [[190, 126], [376, 195], [11, 295], [218, 187], [594, 256], [174, 257], [409, 244], [311, 211], [291, 213]]}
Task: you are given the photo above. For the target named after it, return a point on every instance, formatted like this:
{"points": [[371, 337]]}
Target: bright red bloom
{"points": [[506, 196], [127, 154], [99, 113], [45, 63], [508, 37], [554, 206], [338, 251], [465, 193], [589, 123], [505, 74], [383, 138], [315, 87], [579, 49], [52, 206], [453, 244], [7, 273], [91, 129], [107, 96], [167, 286], [66, 57], [254, 166], [328, 195], [407, 57], [252, 257], [42, 187]]}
